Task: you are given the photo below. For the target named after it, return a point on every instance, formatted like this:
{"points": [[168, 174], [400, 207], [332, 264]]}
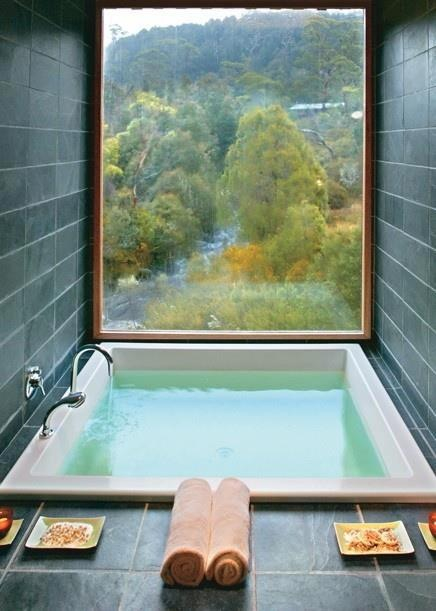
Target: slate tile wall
{"points": [[405, 198], [45, 199]]}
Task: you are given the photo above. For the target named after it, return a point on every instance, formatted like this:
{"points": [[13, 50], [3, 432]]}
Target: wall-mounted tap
{"points": [[89, 348], [34, 380], [72, 400]]}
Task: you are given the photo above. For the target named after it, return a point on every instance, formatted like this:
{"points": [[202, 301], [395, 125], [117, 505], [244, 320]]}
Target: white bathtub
{"points": [[409, 477]]}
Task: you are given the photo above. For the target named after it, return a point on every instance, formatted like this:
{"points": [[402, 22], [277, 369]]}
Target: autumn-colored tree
{"points": [[247, 263]]}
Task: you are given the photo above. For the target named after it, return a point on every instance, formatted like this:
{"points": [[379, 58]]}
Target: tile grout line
{"points": [[399, 401], [138, 536], [424, 440], [20, 546], [369, 574], [378, 573], [130, 570], [403, 404], [361, 573], [382, 585], [253, 559]]}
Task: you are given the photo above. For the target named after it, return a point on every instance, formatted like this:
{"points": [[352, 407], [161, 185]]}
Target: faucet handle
{"points": [[34, 380]]}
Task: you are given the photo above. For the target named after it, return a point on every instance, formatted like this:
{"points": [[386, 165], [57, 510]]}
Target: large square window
{"points": [[233, 189]]}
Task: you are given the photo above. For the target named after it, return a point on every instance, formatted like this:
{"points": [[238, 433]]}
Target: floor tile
{"points": [[319, 593], [153, 537], [147, 592], [410, 515], [114, 551], [24, 591], [411, 591], [301, 537], [22, 510]]}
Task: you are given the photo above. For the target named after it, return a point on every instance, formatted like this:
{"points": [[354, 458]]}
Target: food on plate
{"points": [[66, 534], [432, 522], [372, 540], [6, 519]]}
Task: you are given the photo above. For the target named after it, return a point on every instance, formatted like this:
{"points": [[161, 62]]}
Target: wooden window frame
{"points": [[200, 335]]}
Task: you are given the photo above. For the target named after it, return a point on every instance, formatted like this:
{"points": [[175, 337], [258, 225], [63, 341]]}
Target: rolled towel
{"points": [[229, 553], [188, 540]]}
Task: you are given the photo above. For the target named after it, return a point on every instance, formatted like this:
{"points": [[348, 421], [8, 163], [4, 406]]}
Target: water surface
{"points": [[225, 423]]}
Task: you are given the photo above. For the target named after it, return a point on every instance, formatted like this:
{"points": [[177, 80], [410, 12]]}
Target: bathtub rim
{"points": [[418, 486]]}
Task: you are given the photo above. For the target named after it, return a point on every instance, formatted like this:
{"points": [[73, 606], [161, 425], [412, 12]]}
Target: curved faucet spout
{"points": [[89, 348], [72, 400]]}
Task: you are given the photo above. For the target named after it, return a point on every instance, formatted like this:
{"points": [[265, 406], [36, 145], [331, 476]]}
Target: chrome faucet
{"points": [[87, 348], [72, 400]]}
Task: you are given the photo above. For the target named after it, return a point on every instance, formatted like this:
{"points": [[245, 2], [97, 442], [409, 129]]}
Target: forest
{"points": [[233, 160]]}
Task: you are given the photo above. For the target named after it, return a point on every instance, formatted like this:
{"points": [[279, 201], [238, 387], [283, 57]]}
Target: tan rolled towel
{"points": [[229, 552], [188, 540]]}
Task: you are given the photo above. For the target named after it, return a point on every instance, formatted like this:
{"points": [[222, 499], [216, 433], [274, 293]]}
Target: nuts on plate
{"points": [[66, 534], [372, 540]]}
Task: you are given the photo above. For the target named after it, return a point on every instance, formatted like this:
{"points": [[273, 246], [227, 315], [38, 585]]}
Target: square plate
{"points": [[43, 523], [428, 537], [16, 525], [397, 527]]}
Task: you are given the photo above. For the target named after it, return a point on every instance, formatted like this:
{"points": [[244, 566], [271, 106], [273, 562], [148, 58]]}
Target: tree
{"points": [[150, 117], [269, 169], [194, 192], [330, 58], [340, 264], [128, 237], [297, 242], [175, 229]]}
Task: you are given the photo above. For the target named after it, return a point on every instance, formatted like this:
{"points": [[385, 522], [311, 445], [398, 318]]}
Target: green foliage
{"points": [[268, 169], [176, 229], [340, 264], [256, 307], [128, 233], [111, 158], [299, 239], [195, 194], [199, 137], [329, 59], [177, 149], [337, 195]]}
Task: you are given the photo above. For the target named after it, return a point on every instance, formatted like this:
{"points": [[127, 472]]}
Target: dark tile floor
{"points": [[295, 560], [295, 563]]}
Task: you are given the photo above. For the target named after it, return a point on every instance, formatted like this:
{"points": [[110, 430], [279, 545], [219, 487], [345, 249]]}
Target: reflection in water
{"points": [[356, 444]]}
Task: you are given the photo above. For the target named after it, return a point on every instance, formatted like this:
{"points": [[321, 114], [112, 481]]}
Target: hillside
{"points": [[213, 183]]}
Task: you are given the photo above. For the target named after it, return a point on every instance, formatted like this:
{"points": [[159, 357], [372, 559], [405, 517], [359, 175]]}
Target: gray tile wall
{"points": [[405, 202], [45, 91]]}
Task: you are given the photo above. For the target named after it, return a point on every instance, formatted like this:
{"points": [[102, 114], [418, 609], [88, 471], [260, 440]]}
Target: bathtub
{"points": [[407, 478]]}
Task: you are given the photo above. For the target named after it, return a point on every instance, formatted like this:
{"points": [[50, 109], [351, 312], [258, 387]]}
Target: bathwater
{"points": [[225, 423]]}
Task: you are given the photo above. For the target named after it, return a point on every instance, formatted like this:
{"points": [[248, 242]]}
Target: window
{"points": [[233, 172]]}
